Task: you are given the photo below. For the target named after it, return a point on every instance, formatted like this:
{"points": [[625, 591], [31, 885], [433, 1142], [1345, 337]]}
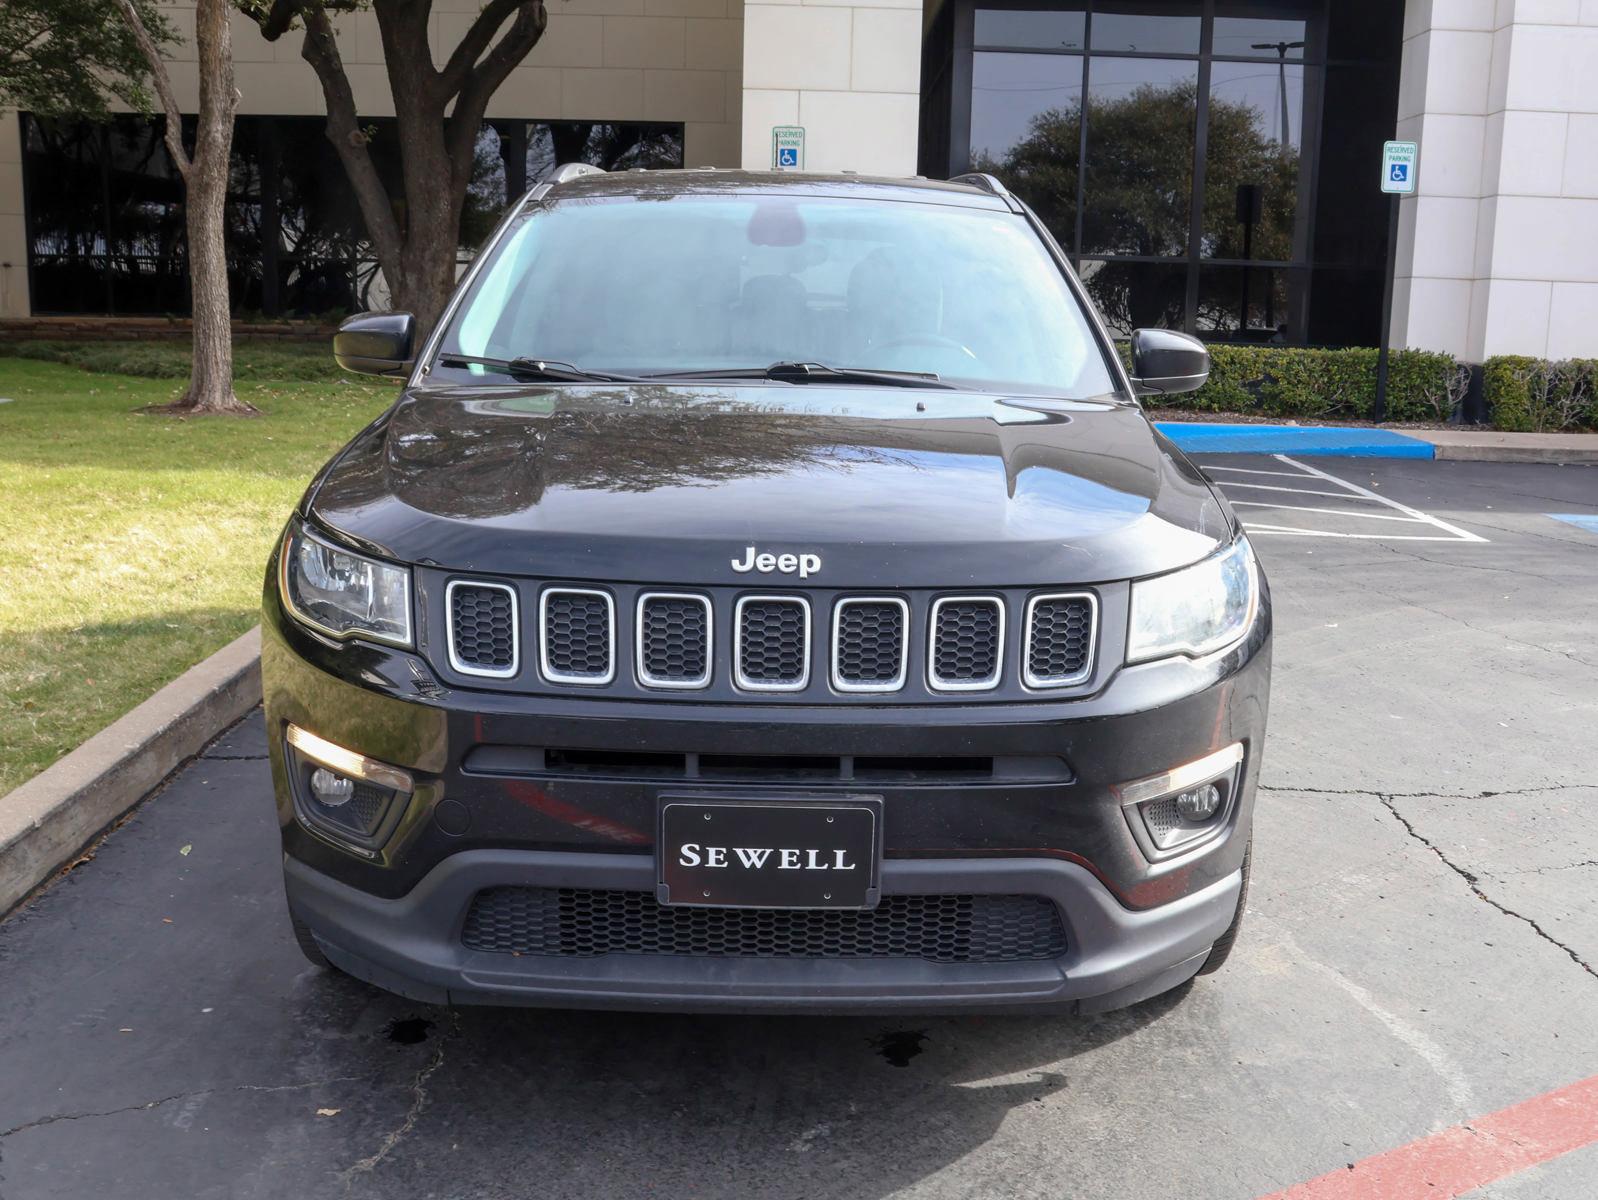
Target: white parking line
{"points": [[1350, 492]]}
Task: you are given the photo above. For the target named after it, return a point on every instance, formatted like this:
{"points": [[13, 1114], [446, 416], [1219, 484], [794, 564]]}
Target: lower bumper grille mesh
{"points": [[586, 922]]}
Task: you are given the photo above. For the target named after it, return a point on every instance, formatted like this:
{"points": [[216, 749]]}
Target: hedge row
{"points": [[1539, 396], [1289, 381]]}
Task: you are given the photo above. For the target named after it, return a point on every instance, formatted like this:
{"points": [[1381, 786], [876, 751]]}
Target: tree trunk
{"points": [[205, 180]]}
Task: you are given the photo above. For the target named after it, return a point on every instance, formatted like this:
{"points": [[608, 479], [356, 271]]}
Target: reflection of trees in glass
{"points": [[1139, 191]]}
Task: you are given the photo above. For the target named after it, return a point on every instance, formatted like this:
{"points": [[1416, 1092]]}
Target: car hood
{"points": [[671, 483]]}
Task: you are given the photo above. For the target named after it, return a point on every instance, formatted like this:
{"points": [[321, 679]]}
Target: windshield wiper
{"points": [[809, 372], [547, 369]]}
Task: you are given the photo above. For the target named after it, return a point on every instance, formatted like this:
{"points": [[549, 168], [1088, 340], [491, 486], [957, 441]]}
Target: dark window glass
{"points": [[1137, 295], [1147, 26], [1251, 304], [1026, 128], [1251, 192], [1141, 119], [1268, 28], [1034, 29]]}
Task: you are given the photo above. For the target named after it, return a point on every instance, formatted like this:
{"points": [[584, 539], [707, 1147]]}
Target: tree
{"points": [[205, 173], [1138, 194], [63, 56], [438, 111]]}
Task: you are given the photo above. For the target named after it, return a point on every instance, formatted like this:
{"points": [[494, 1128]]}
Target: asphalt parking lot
{"points": [[1421, 949]]}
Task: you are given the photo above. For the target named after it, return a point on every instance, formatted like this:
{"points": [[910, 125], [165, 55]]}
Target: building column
{"points": [[13, 230], [1497, 253], [847, 71]]}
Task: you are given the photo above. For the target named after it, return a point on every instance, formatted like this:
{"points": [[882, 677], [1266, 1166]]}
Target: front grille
{"points": [[967, 643], [773, 643], [673, 640], [579, 638], [482, 628], [1059, 645], [869, 643], [586, 923]]}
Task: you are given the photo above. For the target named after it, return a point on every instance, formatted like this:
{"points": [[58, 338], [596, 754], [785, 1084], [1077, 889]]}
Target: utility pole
{"points": [[1281, 49]]}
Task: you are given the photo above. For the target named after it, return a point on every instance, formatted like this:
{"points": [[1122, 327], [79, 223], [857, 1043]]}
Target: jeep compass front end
{"points": [[766, 593]]}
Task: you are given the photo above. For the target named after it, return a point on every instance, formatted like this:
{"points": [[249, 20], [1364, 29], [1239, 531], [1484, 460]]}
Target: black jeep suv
{"points": [[766, 594]]}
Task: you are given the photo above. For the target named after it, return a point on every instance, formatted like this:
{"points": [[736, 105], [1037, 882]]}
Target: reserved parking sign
{"points": [[1399, 162]]}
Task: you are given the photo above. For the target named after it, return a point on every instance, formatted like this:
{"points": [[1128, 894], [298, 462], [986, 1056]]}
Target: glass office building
{"points": [[1196, 160]]}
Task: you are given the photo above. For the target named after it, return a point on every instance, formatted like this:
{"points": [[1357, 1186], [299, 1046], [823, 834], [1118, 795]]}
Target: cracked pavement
{"points": [[1423, 924]]}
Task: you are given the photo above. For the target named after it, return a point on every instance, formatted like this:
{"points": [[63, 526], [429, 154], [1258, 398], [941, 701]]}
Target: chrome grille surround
{"points": [[742, 680], [641, 641], [556, 676], [456, 662], [937, 683], [1033, 680], [896, 682]]}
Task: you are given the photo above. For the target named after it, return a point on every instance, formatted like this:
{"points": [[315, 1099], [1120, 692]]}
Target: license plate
{"points": [[746, 854]]}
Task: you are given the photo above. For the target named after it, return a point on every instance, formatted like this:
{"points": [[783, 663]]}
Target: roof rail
{"points": [[984, 181], [566, 172]]}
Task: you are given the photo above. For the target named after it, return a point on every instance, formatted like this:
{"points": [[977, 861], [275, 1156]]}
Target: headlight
{"points": [[342, 594], [1197, 610]]}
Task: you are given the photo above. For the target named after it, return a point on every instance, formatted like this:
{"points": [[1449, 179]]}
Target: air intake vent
{"points": [[869, 644], [579, 635], [772, 653], [967, 643], [1059, 639], [673, 640], [587, 923], [482, 628]]}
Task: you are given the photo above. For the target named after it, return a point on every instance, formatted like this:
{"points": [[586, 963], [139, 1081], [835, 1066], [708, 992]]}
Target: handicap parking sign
{"points": [[788, 148], [1398, 167]]}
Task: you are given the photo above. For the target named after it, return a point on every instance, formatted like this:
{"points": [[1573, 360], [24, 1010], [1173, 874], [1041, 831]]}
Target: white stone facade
{"points": [[1498, 251]]}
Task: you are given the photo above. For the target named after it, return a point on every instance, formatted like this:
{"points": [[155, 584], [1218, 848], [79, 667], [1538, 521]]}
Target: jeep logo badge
{"points": [[804, 565]]}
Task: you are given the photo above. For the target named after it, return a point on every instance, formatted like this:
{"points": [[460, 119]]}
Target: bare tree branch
{"points": [[477, 39], [163, 86], [484, 80], [320, 49]]}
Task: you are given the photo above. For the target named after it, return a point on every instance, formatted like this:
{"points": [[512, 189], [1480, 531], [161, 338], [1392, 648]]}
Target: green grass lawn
{"points": [[133, 546]]}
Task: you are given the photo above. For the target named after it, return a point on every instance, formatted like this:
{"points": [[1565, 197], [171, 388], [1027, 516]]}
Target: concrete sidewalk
{"points": [[1493, 445]]}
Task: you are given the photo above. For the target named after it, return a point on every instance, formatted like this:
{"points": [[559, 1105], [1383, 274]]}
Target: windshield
{"points": [[695, 283]]}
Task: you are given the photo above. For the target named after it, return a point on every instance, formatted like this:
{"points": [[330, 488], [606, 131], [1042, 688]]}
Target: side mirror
{"points": [[375, 343], [1167, 362]]}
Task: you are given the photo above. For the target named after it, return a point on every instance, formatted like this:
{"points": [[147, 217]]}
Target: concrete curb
{"points": [[1489, 445], [58, 812]]}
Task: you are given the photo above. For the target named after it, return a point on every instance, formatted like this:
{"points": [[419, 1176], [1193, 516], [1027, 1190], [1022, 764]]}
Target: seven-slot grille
{"points": [[482, 628], [589, 922], [772, 644], [870, 638], [867, 640], [673, 640], [579, 635], [967, 651], [1059, 639]]}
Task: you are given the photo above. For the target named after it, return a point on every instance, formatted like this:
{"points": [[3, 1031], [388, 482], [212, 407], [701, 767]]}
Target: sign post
{"points": [[787, 147], [1400, 161]]}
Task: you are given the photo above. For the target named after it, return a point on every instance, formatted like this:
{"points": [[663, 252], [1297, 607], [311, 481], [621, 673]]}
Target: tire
{"points": [[307, 944], [1222, 950]]}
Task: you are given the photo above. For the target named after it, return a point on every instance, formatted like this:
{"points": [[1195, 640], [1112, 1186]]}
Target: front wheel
{"points": [[1222, 950]]}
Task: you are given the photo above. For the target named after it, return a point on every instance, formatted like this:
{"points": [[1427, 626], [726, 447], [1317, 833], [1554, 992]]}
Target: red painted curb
{"points": [[1465, 1157]]}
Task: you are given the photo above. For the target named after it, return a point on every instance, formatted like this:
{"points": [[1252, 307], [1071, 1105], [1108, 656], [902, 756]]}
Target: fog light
{"points": [[1199, 804], [330, 789]]}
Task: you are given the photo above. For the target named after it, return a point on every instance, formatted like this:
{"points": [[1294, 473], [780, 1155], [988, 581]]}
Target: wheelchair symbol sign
{"points": [[1399, 167], [788, 148]]}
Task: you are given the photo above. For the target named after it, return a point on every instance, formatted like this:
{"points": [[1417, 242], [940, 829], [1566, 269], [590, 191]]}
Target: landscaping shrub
{"points": [[1301, 383], [266, 361], [1538, 396]]}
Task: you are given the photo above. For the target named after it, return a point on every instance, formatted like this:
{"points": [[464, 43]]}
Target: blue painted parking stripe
{"points": [[1587, 521], [1198, 437]]}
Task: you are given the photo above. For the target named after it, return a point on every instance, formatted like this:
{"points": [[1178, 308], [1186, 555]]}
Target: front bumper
{"points": [[412, 945], [1134, 927]]}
